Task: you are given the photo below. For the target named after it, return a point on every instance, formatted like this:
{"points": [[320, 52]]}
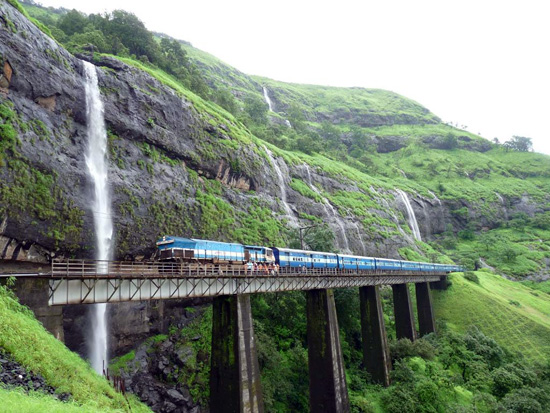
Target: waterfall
{"points": [[327, 205], [360, 237], [410, 213], [435, 197], [267, 100], [97, 168], [282, 185]]}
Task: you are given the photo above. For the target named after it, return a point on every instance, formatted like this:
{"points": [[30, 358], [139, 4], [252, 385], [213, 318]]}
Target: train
{"points": [[180, 249]]}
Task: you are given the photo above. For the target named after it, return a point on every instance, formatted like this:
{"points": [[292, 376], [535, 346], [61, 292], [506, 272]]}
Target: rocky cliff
{"points": [[181, 165], [163, 151]]}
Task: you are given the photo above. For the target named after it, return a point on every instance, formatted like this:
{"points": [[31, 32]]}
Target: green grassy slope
{"points": [[22, 336], [516, 316]]}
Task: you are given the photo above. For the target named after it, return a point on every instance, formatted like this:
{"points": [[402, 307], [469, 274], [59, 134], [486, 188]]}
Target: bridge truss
{"points": [[84, 281]]}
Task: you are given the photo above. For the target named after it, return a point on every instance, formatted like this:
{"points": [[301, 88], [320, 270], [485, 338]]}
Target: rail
{"points": [[90, 269]]}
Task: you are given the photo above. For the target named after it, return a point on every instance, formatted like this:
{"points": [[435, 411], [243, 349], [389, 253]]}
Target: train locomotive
{"points": [[179, 249]]}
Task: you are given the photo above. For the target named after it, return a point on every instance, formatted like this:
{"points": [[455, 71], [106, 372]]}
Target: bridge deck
{"points": [[77, 282]]}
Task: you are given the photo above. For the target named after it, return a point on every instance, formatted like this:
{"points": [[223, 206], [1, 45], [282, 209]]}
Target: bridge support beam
{"points": [[426, 320], [328, 391], [235, 375], [376, 353], [404, 316]]}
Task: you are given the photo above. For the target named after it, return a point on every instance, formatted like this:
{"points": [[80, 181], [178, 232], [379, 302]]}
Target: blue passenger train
{"points": [[197, 250]]}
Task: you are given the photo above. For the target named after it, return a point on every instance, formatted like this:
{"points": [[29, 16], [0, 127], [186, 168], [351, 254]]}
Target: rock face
{"points": [[128, 323], [160, 368], [163, 154]]}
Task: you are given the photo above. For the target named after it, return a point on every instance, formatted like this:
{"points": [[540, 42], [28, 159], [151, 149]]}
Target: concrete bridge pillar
{"points": [[328, 391], [376, 352], [404, 316], [235, 375], [426, 320]]}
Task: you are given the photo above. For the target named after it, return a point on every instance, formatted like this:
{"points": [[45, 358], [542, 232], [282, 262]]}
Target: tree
{"points": [[256, 108], [450, 141], [542, 221], [72, 22], [519, 143]]}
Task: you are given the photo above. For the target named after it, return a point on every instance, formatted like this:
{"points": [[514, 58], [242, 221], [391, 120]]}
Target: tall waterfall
{"points": [[410, 212], [96, 160], [291, 217], [267, 100]]}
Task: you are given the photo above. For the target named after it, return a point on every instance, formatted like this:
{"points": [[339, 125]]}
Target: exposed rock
{"points": [[155, 374], [13, 374]]}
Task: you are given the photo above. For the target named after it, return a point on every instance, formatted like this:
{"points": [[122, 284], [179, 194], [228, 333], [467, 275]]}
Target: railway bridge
{"points": [[235, 380]]}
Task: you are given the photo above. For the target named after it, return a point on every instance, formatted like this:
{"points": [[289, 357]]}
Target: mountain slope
{"points": [[26, 340], [516, 316]]}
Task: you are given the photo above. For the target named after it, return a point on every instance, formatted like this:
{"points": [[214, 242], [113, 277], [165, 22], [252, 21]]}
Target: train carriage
{"points": [[224, 253], [355, 262], [291, 258], [410, 266], [324, 259], [388, 264]]}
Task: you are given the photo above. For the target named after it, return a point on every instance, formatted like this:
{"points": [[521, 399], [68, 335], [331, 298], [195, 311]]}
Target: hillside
{"points": [[29, 344], [516, 316]]}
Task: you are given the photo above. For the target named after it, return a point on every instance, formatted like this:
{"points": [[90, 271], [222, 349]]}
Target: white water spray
{"points": [[97, 168], [282, 185], [267, 99], [410, 212]]}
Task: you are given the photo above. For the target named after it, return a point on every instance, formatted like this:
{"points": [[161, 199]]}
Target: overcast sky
{"points": [[484, 64]]}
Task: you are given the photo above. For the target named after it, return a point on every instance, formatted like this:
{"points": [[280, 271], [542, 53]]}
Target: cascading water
{"points": [[327, 206], [435, 197], [270, 105], [267, 100], [410, 212], [97, 169], [280, 176]]}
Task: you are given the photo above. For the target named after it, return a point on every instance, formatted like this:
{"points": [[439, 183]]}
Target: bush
{"points": [[471, 276], [406, 348]]}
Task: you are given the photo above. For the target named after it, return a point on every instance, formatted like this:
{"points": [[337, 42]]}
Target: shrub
{"points": [[471, 276]]}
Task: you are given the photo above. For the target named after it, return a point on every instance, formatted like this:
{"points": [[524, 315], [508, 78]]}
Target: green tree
{"points": [[256, 108], [519, 143], [542, 221], [72, 22]]}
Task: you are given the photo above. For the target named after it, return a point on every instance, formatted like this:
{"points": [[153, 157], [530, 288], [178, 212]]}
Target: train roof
{"points": [[166, 239], [256, 246], [354, 256], [303, 251]]}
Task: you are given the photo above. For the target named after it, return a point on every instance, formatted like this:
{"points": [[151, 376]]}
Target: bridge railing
{"points": [[130, 269]]}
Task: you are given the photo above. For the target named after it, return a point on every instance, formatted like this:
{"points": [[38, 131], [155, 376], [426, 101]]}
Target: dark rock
{"points": [[13, 374]]}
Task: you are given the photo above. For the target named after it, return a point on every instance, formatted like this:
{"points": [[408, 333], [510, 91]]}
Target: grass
{"points": [[22, 336], [20, 402], [509, 312]]}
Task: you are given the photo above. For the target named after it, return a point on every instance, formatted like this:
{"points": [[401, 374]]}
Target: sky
{"points": [[483, 65]]}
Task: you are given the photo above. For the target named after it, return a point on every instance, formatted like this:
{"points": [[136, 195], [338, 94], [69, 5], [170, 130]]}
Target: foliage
{"points": [[121, 33], [26, 340], [471, 276], [519, 143]]}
